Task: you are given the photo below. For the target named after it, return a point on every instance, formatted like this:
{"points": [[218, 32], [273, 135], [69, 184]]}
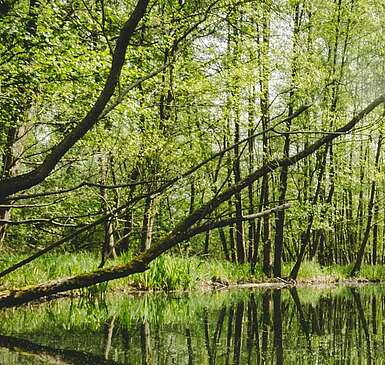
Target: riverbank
{"points": [[171, 273]]}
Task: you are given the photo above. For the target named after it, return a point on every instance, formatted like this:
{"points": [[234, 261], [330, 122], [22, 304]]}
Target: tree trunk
{"points": [[264, 105], [178, 234], [148, 222], [361, 252], [305, 236], [280, 216], [251, 225], [108, 246], [375, 234], [25, 181], [16, 134], [11, 163]]}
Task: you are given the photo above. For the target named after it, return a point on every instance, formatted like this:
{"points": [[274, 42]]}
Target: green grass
{"points": [[168, 272], [47, 267], [165, 273], [175, 273]]}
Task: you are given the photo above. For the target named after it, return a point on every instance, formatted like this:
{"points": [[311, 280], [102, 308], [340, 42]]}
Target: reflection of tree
{"points": [[125, 342], [265, 323], [229, 334], [277, 326], [145, 340], [211, 346], [271, 327], [252, 328], [109, 330], [301, 316], [189, 347], [210, 351], [52, 354], [364, 323], [255, 325], [238, 332]]}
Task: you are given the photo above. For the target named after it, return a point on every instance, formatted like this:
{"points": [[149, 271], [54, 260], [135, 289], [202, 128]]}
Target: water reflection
{"points": [[314, 326]]}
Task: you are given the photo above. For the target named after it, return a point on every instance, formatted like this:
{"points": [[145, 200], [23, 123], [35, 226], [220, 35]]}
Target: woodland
{"points": [[238, 130]]}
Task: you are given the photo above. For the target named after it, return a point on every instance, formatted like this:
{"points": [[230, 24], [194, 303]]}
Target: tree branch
{"points": [[179, 234], [25, 181]]}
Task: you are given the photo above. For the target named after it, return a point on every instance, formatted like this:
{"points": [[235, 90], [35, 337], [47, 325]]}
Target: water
{"points": [[304, 326]]}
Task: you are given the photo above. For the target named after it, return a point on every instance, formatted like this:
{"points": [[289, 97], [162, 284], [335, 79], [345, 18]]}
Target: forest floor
{"points": [[180, 273]]}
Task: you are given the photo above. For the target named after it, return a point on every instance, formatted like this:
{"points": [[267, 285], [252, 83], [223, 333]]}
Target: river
{"points": [[310, 325]]}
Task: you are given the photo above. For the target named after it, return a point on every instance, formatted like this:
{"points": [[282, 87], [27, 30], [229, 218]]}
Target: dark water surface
{"points": [[303, 326]]}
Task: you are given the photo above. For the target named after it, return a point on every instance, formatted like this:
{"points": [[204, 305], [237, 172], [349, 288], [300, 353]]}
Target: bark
{"points": [[230, 207], [375, 235], [280, 217], [207, 242], [238, 201], [13, 152], [237, 163], [129, 215], [264, 104], [361, 252], [223, 239], [18, 183], [251, 150], [108, 246], [305, 236], [16, 134], [179, 233], [148, 222]]}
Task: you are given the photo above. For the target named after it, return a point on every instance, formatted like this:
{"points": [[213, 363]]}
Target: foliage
{"points": [[199, 76]]}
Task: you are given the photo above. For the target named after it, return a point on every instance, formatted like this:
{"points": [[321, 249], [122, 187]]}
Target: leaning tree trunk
{"points": [[182, 231]]}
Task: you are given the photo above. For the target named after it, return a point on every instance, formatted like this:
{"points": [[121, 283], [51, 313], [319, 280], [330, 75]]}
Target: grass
{"points": [[167, 272]]}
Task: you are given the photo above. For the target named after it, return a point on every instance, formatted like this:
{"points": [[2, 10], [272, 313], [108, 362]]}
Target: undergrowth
{"points": [[168, 272]]}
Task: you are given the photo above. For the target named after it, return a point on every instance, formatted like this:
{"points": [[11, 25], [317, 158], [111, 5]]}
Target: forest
{"points": [[240, 133]]}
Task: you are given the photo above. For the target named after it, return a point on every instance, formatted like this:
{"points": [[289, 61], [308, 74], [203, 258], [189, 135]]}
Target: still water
{"points": [[289, 326]]}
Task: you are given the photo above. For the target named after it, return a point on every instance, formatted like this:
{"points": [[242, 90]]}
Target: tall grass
{"points": [[47, 267], [168, 272], [174, 273]]}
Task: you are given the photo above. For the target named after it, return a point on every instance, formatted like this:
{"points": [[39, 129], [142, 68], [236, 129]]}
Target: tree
{"points": [[181, 232]]}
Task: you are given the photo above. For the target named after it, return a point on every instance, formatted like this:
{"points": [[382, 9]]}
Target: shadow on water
{"points": [[314, 326]]}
